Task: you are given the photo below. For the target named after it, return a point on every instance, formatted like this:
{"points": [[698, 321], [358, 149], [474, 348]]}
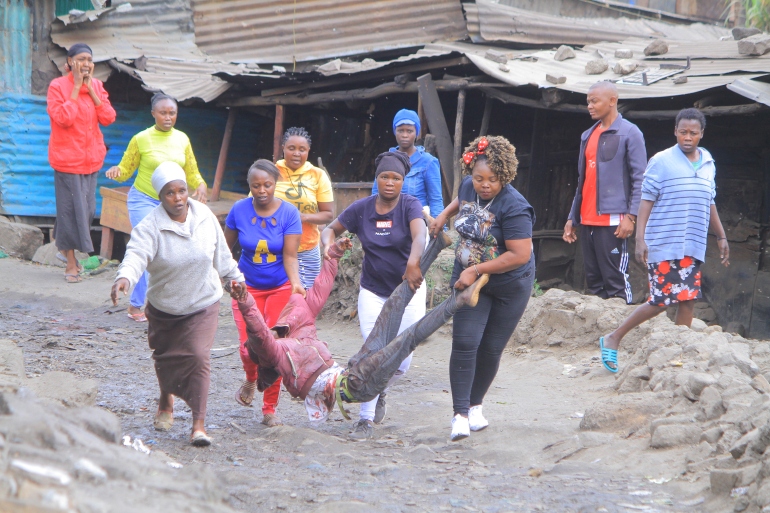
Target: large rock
{"points": [[65, 388], [18, 239], [596, 67], [46, 255], [625, 66], [744, 32], [758, 44], [563, 53], [710, 401], [673, 435], [624, 53], [657, 47]]}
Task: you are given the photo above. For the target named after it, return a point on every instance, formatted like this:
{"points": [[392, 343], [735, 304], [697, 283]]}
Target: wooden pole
{"points": [[278, 133], [485, 118], [421, 116], [458, 143], [222, 162]]}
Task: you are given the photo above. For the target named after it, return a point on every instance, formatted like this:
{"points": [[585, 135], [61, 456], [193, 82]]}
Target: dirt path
{"points": [[532, 457]]}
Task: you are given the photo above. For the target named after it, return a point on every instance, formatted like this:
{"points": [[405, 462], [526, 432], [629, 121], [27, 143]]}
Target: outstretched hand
{"points": [[121, 285]]}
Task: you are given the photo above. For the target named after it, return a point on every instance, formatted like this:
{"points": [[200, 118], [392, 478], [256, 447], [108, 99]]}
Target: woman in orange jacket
{"points": [[77, 105]]}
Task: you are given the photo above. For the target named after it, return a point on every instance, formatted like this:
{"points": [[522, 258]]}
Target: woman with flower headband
{"points": [[495, 224]]}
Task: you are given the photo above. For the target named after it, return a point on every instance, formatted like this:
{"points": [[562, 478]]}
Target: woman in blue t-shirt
{"points": [[495, 224], [268, 231], [392, 232]]}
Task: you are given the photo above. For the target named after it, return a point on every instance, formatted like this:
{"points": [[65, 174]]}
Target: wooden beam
{"points": [[535, 104], [354, 94], [729, 110], [485, 117], [434, 114], [222, 162], [421, 116], [458, 141], [277, 133], [347, 78]]}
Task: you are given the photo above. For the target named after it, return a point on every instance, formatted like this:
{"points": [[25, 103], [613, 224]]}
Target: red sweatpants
{"points": [[270, 303]]}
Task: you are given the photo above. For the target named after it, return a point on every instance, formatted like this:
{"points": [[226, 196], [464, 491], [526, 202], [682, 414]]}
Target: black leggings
{"points": [[479, 336]]}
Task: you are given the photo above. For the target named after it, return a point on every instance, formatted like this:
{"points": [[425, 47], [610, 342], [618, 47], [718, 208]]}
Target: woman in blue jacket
{"points": [[424, 178]]}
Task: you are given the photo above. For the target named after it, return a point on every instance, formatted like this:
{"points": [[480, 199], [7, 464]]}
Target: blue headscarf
{"points": [[406, 115]]}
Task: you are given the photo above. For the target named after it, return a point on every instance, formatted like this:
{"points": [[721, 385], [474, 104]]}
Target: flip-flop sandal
{"points": [[247, 386], [200, 439], [163, 420], [72, 278], [608, 356], [138, 317]]}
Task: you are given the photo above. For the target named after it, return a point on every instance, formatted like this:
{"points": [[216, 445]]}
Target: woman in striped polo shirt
{"points": [[675, 216]]}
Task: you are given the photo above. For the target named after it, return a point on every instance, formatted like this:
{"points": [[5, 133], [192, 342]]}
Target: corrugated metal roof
{"points": [[15, 58], [681, 49], [162, 32], [702, 75], [26, 178], [280, 31], [488, 22], [756, 91]]}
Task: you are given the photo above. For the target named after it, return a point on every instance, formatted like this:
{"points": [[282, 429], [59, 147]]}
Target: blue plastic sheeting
{"points": [[26, 178], [15, 56]]}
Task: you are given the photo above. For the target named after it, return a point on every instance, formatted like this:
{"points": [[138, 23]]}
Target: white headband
{"points": [[165, 173]]}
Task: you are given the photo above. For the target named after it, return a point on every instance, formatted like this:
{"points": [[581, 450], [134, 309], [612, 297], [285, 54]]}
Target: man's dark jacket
{"points": [[621, 159]]}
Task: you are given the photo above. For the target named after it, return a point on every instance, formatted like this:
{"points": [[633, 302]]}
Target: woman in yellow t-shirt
{"points": [[310, 190], [146, 151]]}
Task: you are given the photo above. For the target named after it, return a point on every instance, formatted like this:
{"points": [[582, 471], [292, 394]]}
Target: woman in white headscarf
{"points": [[182, 247]]}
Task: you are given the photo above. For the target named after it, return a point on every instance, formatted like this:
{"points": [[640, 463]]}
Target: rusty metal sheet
{"points": [[489, 22], [277, 31], [752, 89], [159, 32]]}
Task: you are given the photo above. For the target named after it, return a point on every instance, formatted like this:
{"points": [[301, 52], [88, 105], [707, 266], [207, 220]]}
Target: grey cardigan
{"points": [[621, 159], [186, 261]]}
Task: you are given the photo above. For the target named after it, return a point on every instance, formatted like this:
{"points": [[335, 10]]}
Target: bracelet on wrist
{"points": [[478, 274]]}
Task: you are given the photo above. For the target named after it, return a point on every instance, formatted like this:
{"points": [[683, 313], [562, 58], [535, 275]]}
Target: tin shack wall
{"points": [[15, 55]]}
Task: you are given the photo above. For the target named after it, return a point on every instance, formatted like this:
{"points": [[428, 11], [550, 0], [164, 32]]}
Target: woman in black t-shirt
{"points": [[495, 224], [392, 231]]}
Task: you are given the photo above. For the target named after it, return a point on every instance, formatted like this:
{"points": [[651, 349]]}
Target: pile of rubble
{"points": [[695, 387], [54, 458]]}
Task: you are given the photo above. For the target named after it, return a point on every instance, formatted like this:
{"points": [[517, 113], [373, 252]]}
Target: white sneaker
{"points": [[460, 428], [476, 420]]}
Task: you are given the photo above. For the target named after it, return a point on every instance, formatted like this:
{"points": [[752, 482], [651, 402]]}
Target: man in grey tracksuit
{"points": [[610, 171]]}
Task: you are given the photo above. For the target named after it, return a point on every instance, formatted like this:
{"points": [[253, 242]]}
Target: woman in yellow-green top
{"points": [[146, 151], [310, 190]]}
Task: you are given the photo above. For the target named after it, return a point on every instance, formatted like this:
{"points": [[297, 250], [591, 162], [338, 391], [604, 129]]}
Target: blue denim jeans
{"points": [[139, 205]]}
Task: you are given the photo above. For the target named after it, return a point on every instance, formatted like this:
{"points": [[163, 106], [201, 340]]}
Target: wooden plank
{"points": [[438, 127], [278, 133], [535, 104], [355, 94], [728, 110], [108, 239], [346, 79], [114, 210], [485, 117], [222, 161], [458, 142]]}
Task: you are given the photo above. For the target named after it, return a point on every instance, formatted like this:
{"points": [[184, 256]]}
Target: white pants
{"points": [[369, 307]]}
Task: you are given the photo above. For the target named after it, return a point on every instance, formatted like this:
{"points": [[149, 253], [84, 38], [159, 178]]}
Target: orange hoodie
{"points": [[76, 145]]}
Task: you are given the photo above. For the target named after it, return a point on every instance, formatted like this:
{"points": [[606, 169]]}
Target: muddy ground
{"points": [[533, 457]]}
